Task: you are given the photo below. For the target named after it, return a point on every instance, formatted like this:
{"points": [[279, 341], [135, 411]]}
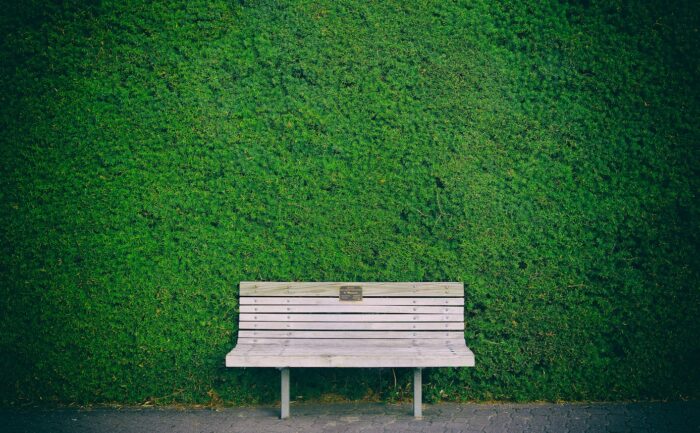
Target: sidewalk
{"points": [[312, 418]]}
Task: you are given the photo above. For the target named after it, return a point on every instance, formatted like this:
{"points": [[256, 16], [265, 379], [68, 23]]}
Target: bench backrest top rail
{"points": [[369, 289]]}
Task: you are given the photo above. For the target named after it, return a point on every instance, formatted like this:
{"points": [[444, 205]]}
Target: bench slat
{"points": [[378, 326], [369, 356], [317, 300], [349, 351], [275, 351], [331, 344], [351, 308], [378, 361], [351, 334], [369, 289], [274, 347], [352, 317]]}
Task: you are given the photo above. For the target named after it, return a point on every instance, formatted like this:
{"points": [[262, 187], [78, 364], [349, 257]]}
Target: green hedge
{"points": [[154, 155]]}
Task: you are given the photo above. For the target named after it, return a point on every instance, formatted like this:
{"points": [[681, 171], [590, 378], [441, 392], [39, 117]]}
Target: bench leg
{"points": [[284, 410], [417, 393]]}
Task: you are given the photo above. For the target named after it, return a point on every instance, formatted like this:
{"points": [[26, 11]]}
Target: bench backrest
{"points": [[285, 310]]}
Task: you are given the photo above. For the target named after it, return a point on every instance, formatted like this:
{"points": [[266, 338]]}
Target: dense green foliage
{"points": [[154, 155]]}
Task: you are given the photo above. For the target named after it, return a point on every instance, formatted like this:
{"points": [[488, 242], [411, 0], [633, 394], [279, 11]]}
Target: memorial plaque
{"points": [[350, 293]]}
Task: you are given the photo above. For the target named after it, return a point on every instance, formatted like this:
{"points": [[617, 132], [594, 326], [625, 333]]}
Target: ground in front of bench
{"points": [[677, 417]]}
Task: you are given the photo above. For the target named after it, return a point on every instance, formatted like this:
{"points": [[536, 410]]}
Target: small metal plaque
{"points": [[350, 293]]}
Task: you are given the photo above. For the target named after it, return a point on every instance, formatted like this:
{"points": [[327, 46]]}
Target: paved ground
{"points": [[312, 418]]}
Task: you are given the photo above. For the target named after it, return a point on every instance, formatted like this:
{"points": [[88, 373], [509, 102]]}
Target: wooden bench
{"points": [[414, 325]]}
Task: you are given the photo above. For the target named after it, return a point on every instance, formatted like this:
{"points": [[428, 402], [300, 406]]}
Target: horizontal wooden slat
{"points": [[369, 289], [351, 334], [352, 317], [331, 344], [396, 351], [276, 347], [378, 309], [317, 300], [349, 351], [349, 357], [377, 326], [379, 361]]}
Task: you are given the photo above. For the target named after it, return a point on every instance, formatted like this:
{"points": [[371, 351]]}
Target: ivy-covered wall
{"points": [[154, 154]]}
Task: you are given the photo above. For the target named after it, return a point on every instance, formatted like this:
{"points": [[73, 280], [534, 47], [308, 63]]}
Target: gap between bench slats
{"points": [[276, 300], [279, 349], [348, 326], [378, 309], [352, 317], [379, 343], [352, 334]]}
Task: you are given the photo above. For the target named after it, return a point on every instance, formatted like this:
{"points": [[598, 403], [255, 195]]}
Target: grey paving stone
{"points": [[677, 417]]}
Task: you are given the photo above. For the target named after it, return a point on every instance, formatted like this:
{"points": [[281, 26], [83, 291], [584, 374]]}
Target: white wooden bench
{"points": [[290, 324]]}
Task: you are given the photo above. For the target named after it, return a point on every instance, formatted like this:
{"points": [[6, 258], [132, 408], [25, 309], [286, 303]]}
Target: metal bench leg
{"points": [[417, 393], [284, 410]]}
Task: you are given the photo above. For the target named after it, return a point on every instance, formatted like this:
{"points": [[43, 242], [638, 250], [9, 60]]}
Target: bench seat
{"points": [[357, 352]]}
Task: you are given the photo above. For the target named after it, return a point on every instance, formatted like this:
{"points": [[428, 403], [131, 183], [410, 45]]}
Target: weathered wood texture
{"points": [[242, 335], [393, 325], [356, 307], [317, 300], [258, 288], [248, 317], [414, 326]]}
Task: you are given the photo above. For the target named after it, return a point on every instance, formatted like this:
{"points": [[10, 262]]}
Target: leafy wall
{"points": [[154, 155]]}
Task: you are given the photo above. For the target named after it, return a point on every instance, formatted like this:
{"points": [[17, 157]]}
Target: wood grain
{"points": [[317, 300], [369, 289], [350, 334], [352, 308], [377, 326], [290, 324], [351, 317]]}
